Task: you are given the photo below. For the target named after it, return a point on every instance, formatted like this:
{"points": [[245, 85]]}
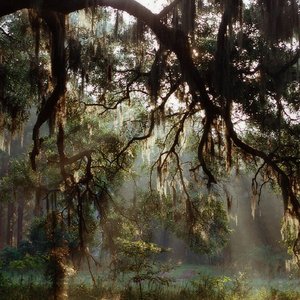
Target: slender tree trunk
{"points": [[10, 223], [2, 231], [21, 204], [3, 207], [38, 207]]}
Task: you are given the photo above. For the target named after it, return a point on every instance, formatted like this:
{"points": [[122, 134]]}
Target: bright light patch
{"points": [[154, 5], [195, 53]]}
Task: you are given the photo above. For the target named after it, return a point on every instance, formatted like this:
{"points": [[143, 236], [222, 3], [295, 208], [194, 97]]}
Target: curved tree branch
{"points": [[289, 198], [206, 130]]}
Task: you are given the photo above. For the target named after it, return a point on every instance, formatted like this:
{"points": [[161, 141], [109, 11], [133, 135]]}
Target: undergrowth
{"points": [[202, 287]]}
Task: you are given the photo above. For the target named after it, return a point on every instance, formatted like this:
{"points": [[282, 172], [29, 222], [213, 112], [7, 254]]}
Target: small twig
{"points": [[6, 33]]}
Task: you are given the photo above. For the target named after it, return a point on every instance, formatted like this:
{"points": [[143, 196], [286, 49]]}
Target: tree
{"points": [[221, 68]]}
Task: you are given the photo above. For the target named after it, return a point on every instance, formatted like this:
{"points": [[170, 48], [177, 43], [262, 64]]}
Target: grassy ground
{"points": [[195, 282], [186, 282]]}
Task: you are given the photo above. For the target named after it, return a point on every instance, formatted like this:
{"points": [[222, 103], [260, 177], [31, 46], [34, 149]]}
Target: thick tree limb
{"points": [[173, 39], [56, 24], [276, 74]]}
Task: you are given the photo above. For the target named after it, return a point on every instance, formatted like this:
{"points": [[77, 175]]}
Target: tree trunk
{"points": [[21, 203], [38, 209], [2, 230], [56, 270], [10, 223]]}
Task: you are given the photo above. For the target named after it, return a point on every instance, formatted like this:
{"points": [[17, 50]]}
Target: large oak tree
{"points": [[249, 70]]}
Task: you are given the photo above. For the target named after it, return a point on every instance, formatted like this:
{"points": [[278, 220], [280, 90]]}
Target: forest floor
{"points": [[205, 282], [185, 282]]}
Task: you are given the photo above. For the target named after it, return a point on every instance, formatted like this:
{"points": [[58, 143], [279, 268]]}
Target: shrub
{"points": [[211, 288], [9, 254]]}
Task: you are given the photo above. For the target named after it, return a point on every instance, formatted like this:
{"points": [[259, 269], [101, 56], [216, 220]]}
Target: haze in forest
{"points": [[149, 152]]}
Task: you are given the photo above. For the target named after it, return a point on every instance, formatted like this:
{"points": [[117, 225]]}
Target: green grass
{"points": [[188, 282]]}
